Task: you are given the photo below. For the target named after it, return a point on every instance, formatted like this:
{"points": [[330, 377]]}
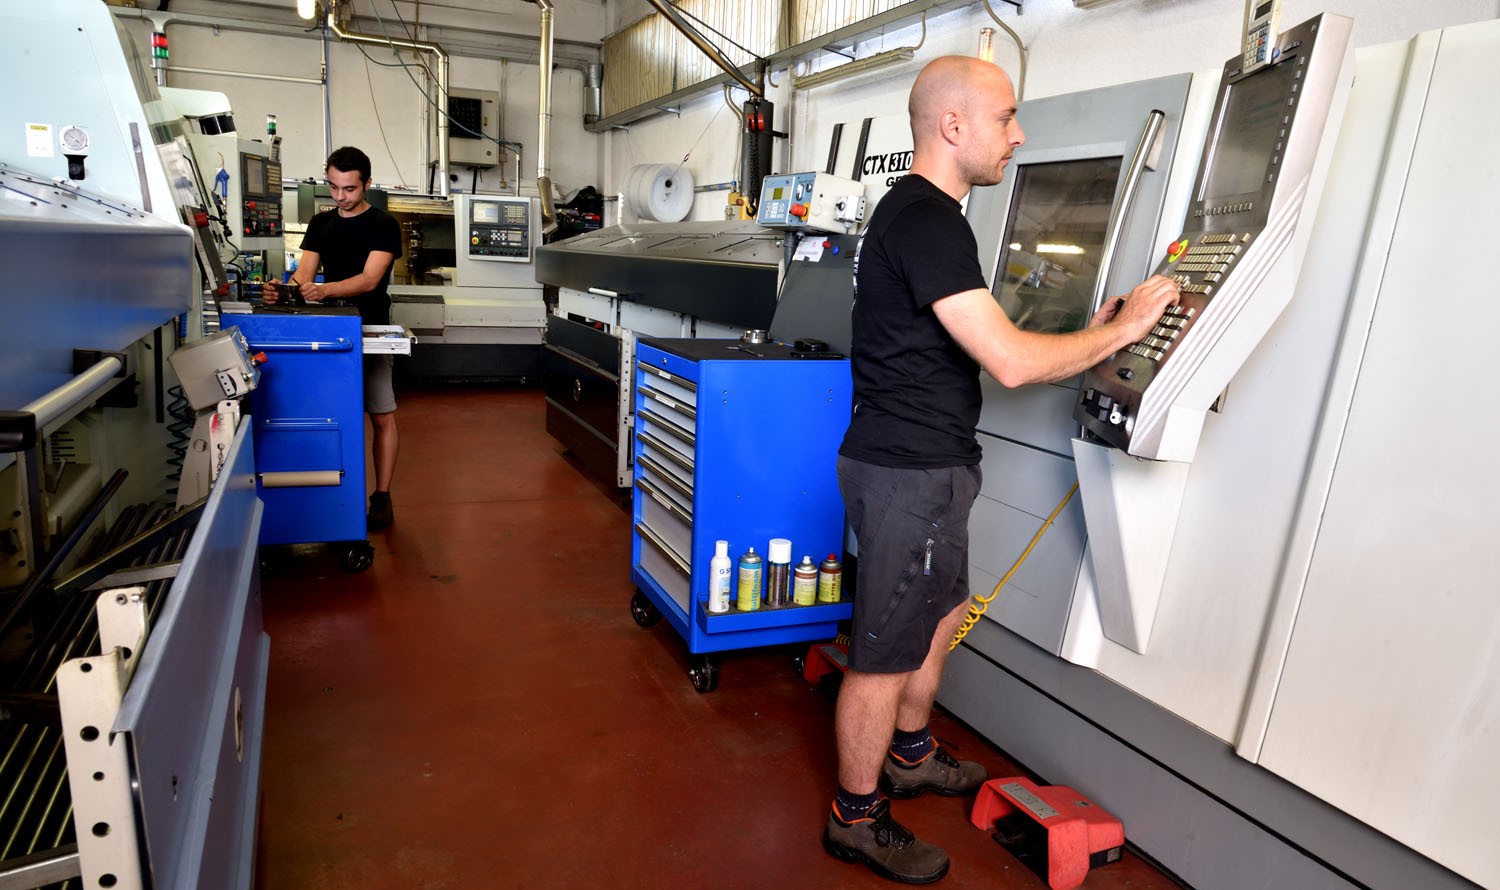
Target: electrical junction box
{"points": [[473, 127], [215, 368], [818, 201]]}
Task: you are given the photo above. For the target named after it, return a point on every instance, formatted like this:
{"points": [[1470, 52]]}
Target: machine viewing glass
{"points": [[1050, 255]]}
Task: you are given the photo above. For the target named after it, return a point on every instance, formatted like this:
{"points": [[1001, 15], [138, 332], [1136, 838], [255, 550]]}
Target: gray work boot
{"points": [[937, 772], [886, 846]]}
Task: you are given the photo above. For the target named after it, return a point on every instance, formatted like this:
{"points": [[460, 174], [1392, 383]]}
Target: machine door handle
{"points": [[342, 344], [1147, 152]]}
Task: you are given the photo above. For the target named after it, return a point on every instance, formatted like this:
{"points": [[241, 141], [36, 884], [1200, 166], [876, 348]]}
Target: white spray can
{"points": [[720, 575]]}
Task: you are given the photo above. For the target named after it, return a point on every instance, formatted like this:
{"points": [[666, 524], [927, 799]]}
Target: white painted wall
{"points": [[380, 109], [1070, 50]]}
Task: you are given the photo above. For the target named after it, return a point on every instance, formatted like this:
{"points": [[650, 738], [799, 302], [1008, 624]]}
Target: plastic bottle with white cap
{"points": [[719, 579]]}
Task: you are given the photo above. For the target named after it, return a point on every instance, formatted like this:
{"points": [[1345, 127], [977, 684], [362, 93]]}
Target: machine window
{"points": [[1049, 259]]}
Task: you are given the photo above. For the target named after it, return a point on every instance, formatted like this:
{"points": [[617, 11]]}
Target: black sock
{"points": [[911, 748], [850, 806]]}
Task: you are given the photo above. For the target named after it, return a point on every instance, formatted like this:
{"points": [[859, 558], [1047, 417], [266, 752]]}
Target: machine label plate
{"points": [[1038, 807]]}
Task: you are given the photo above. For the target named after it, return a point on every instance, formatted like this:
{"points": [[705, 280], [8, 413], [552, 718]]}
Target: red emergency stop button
{"points": [[1176, 249], [799, 211], [250, 204]]}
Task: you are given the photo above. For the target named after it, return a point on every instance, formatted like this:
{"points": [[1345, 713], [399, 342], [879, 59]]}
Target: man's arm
{"points": [[376, 266], [1015, 357], [307, 269]]}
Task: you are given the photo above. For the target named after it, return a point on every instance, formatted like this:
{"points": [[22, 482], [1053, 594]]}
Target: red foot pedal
{"points": [[823, 659], [1052, 829]]}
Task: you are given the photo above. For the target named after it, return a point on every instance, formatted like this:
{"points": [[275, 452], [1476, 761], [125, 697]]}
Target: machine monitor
{"points": [[1253, 178]]}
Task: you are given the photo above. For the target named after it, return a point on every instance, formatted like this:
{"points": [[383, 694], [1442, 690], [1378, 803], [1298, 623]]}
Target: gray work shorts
{"points": [[913, 532], [380, 395]]}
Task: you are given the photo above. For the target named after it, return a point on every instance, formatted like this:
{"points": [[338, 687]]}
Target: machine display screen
{"points": [[776, 194], [1249, 125], [486, 212], [255, 175]]}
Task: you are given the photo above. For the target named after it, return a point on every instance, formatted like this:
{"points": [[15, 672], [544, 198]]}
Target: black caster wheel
{"points": [[705, 676], [357, 556], [643, 610]]}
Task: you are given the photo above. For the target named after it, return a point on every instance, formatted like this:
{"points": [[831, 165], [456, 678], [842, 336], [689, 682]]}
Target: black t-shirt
{"points": [[344, 243], [916, 392]]}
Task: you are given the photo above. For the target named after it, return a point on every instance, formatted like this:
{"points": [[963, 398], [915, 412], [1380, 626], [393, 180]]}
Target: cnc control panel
{"points": [[1252, 181], [260, 196], [500, 228], [819, 201]]}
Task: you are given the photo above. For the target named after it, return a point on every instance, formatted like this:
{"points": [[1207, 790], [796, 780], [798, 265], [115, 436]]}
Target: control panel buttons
{"points": [[1125, 373]]}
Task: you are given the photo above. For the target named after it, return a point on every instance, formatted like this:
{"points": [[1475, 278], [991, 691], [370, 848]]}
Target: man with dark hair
{"points": [[924, 325], [356, 244]]}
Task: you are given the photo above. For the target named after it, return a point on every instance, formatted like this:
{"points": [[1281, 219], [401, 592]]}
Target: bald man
{"points": [[925, 324]]}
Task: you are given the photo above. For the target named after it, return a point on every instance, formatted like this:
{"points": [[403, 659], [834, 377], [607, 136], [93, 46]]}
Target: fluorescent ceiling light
{"points": [[307, 8], [858, 66], [1016, 246], [1059, 248]]}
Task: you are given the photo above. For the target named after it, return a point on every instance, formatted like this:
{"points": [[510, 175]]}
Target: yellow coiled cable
{"points": [[980, 604]]}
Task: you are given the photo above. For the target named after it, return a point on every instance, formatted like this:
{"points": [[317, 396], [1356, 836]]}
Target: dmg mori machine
{"points": [[1271, 661]]}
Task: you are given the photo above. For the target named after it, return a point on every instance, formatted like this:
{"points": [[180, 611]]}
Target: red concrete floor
{"points": [[479, 710]]}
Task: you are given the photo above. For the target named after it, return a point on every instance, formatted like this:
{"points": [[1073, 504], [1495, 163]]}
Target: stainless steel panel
{"points": [[1022, 486], [666, 520], [721, 271], [1039, 416], [194, 687], [671, 574]]}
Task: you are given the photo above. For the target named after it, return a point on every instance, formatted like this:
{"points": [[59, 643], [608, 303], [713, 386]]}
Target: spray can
{"points": [[805, 582], [830, 580], [719, 579], [748, 589], [779, 573]]}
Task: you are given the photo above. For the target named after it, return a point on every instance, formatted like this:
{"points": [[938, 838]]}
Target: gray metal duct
{"points": [[544, 120], [442, 81], [593, 86]]}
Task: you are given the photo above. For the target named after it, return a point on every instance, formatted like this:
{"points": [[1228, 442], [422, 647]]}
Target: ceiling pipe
{"points": [[442, 81], [544, 120], [698, 40]]}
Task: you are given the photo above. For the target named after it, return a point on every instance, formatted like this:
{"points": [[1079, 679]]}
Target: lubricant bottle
{"points": [[805, 582], [719, 577], [779, 573], [748, 588], [830, 580]]}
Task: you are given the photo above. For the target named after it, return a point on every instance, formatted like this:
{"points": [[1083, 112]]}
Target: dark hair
{"points": [[350, 158]]}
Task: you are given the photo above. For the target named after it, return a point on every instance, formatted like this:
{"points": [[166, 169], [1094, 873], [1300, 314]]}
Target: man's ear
{"points": [[949, 125]]}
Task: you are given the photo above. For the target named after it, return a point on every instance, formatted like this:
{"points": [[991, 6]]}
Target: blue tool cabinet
{"points": [[738, 442], [309, 424]]}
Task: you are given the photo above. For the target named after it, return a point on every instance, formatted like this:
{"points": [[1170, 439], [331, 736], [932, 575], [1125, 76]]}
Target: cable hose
{"points": [[181, 432], [980, 604]]}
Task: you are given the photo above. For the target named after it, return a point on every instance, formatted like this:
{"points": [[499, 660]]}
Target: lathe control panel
{"points": [[500, 228], [1252, 181]]}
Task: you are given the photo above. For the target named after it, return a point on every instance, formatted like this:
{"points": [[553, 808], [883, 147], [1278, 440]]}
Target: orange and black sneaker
{"points": [[885, 845], [938, 771]]}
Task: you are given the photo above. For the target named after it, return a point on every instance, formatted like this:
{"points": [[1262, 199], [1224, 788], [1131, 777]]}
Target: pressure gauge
{"points": [[75, 140]]}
